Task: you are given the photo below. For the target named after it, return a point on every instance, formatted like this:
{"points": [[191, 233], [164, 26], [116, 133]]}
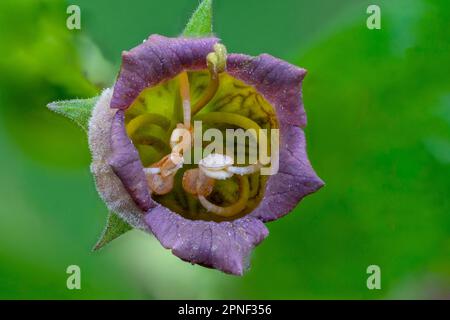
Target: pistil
{"points": [[216, 62]]}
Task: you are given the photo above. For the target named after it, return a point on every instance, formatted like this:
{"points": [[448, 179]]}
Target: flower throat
{"points": [[160, 123]]}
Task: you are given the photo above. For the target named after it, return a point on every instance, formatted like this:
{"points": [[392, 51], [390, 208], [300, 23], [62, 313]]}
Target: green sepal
{"points": [[200, 23], [115, 227], [78, 110]]}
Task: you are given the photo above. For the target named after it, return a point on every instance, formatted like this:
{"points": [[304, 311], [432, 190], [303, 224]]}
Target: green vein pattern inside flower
{"points": [[157, 111]]}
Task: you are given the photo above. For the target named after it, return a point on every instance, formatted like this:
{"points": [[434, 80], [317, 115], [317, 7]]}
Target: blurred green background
{"points": [[378, 105]]}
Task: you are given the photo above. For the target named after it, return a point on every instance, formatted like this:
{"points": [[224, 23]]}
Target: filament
{"points": [[186, 99], [234, 208]]}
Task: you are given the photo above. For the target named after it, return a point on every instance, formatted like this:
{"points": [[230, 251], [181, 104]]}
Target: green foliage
{"points": [[371, 111], [200, 24]]}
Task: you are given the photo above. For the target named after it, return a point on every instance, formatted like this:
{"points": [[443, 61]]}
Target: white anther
{"points": [[219, 166], [244, 170], [216, 162], [216, 174]]}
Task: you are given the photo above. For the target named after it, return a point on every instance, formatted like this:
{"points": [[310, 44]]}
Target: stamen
{"points": [[196, 183], [159, 184], [160, 175], [173, 165], [170, 164], [233, 209], [186, 99]]}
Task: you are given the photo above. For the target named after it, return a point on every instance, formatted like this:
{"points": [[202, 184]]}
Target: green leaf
{"points": [[78, 110], [115, 227], [200, 23]]}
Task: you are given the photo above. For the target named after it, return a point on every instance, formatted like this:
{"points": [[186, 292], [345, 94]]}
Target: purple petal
{"points": [[127, 165], [278, 81], [157, 59], [281, 84], [224, 246], [294, 180]]}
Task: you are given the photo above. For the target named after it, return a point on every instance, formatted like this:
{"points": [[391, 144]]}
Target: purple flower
{"points": [[207, 215]]}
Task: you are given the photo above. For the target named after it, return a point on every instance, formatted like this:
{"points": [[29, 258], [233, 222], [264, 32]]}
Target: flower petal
{"points": [[157, 59], [224, 246], [278, 81], [127, 165], [281, 84], [294, 180]]}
